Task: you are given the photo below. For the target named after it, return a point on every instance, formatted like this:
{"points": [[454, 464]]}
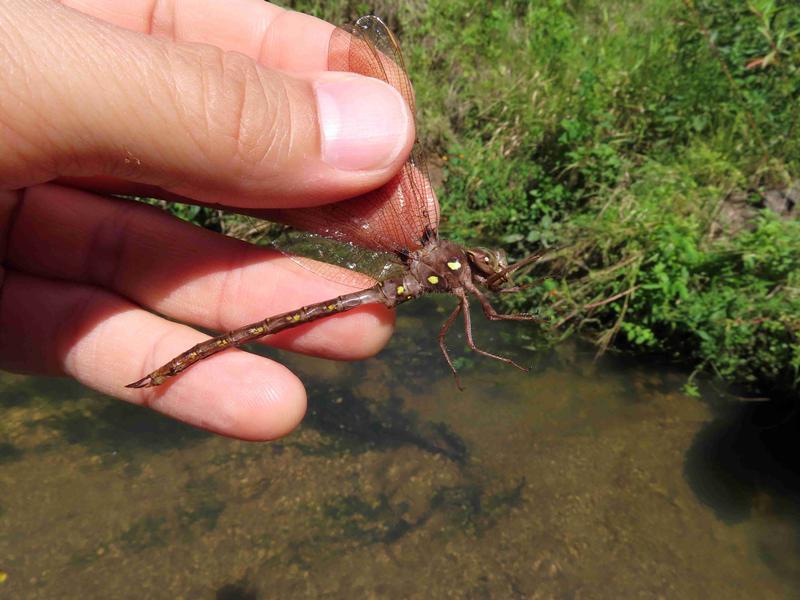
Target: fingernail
{"points": [[364, 122]]}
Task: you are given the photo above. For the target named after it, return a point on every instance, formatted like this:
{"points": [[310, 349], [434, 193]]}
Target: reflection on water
{"points": [[576, 480]]}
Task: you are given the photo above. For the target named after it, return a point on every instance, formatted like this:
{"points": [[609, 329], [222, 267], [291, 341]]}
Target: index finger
{"points": [[274, 37]]}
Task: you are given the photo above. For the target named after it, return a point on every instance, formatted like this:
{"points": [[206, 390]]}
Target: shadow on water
{"points": [[358, 425], [349, 424], [745, 465], [21, 392], [123, 428], [10, 453], [75, 415], [241, 590], [746, 450]]}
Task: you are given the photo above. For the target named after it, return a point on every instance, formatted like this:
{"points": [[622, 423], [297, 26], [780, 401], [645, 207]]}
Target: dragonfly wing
{"points": [[397, 216], [342, 263], [347, 264]]}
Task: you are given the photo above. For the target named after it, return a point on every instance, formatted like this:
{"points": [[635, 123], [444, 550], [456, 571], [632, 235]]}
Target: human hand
{"points": [[116, 98]]}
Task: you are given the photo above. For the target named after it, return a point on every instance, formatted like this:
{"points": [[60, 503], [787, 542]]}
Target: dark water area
{"points": [[578, 479]]}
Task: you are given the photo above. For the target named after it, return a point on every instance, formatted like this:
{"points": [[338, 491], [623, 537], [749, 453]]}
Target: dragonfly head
{"points": [[491, 264]]}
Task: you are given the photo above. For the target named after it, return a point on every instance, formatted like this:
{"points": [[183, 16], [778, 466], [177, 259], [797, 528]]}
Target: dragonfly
{"points": [[400, 219]]}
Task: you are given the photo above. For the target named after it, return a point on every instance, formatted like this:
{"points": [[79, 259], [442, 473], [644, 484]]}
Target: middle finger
{"points": [[182, 271]]}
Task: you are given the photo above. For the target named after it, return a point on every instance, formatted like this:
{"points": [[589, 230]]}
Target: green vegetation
{"points": [[641, 135]]}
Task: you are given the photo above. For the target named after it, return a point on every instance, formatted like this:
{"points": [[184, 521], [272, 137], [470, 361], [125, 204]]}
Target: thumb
{"points": [[82, 98]]}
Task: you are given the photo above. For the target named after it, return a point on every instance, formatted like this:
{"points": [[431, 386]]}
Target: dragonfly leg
{"points": [[442, 333], [493, 315], [471, 342]]}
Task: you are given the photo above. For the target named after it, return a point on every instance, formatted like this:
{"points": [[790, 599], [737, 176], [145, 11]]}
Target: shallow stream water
{"points": [[579, 479]]}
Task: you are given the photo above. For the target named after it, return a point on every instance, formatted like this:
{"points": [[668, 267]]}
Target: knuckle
{"points": [[242, 112]]}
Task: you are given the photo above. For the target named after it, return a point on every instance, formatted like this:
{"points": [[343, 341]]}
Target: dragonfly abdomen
{"points": [[390, 292]]}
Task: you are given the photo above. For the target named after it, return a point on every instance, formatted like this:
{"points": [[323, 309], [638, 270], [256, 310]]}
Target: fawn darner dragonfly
{"points": [[401, 219]]}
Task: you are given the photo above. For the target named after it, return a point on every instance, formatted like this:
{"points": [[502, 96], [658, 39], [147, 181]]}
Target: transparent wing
{"points": [[343, 263]]}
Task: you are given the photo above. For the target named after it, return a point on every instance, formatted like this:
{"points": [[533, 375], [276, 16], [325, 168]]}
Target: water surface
{"points": [[579, 479]]}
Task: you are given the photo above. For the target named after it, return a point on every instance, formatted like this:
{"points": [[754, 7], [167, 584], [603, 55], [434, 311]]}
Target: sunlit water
{"points": [[576, 480]]}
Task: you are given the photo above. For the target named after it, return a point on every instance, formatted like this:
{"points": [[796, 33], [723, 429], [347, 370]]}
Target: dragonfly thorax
{"points": [[440, 265]]}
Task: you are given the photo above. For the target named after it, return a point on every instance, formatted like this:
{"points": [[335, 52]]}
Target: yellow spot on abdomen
{"points": [[454, 265], [433, 279], [331, 307], [400, 290], [295, 317]]}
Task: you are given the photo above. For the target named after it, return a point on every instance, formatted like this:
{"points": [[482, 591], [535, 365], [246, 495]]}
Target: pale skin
{"points": [[214, 101]]}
